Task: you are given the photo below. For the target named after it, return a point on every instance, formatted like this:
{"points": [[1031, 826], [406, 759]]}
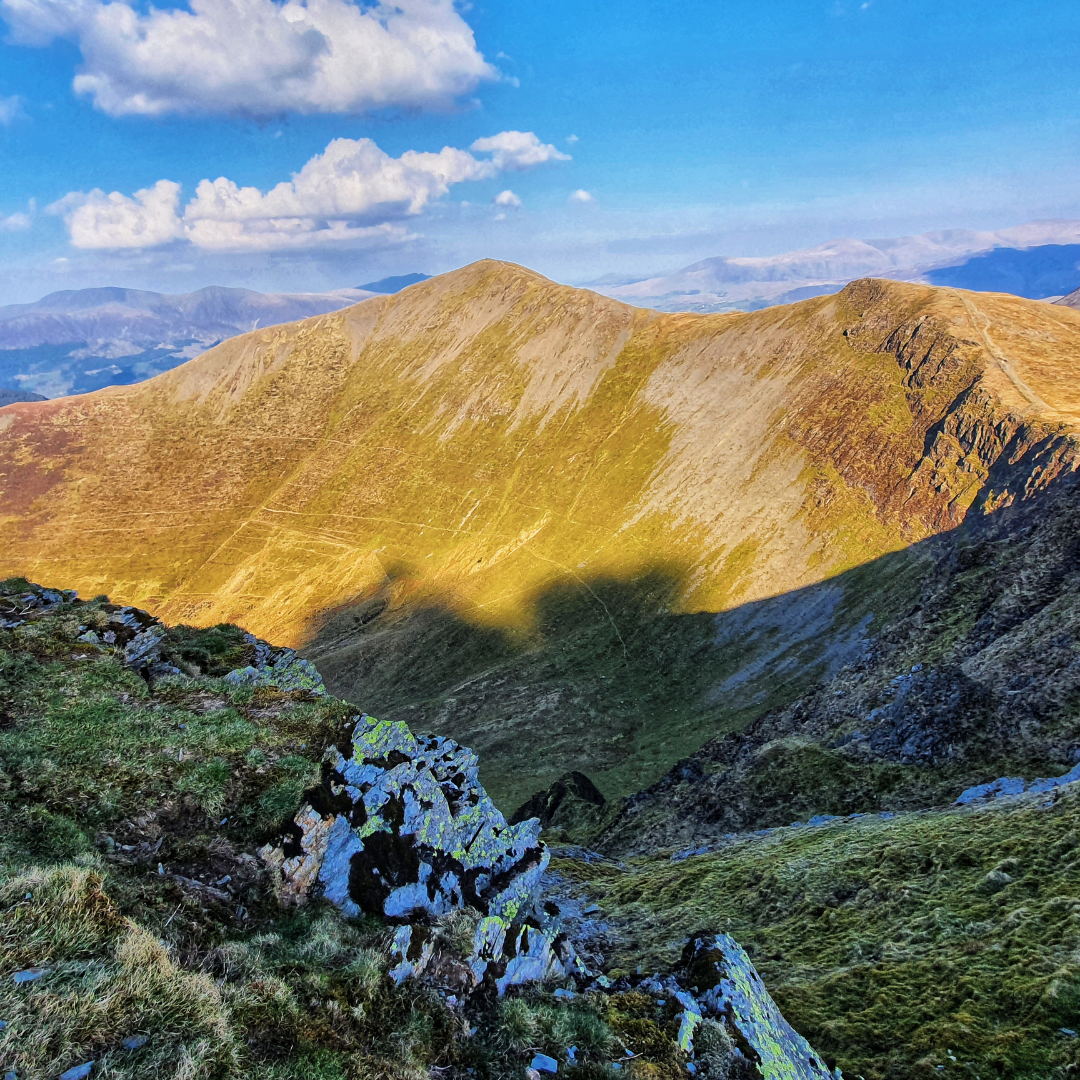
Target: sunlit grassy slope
{"points": [[498, 506]]}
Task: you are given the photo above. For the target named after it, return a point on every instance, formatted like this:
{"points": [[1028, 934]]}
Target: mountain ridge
{"points": [[493, 502]]}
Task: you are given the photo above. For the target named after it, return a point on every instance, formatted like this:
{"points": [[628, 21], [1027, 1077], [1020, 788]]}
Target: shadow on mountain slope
{"points": [[610, 681]]}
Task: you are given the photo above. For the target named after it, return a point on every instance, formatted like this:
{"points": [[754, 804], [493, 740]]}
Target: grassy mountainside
{"points": [[929, 944], [512, 511], [941, 943]]}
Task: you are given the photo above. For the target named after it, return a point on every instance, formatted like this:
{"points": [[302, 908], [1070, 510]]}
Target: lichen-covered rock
{"points": [[728, 986], [279, 668], [503, 954], [403, 827], [404, 830]]}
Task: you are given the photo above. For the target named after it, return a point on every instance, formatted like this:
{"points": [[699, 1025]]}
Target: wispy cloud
{"points": [[581, 196], [15, 222], [11, 109], [506, 198], [259, 57]]}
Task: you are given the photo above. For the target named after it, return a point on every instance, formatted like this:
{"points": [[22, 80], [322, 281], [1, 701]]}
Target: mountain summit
{"points": [[499, 505]]}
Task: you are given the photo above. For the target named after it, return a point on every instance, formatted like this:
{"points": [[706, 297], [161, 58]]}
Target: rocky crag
{"points": [[979, 678]]}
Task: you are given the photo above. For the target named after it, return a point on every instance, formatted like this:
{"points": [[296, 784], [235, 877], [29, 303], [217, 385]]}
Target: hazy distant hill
{"points": [[1037, 260], [394, 284], [8, 396], [75, 341], [1072, 300]]}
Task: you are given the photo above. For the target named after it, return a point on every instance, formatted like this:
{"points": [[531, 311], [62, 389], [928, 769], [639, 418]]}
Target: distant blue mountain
{"points": [[1038, 260], [9, 397], [80, 340], [394, 284], [1049, 270]]}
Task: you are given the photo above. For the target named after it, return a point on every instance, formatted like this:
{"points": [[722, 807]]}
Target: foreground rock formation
{"points": [[142, 931], [403, 830]]}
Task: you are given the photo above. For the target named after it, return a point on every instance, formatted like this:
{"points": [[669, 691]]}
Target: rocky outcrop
{"points": [[144, 644], [280, 668], [1072, 300], [729, 988], [573, 804], [1004, 786], [402, 829], [975, 681]]}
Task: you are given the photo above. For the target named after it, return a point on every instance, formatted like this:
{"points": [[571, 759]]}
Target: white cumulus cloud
{"points": [[517, 150], [352, 192], [259, 57], [97, 220], [582, 196]]}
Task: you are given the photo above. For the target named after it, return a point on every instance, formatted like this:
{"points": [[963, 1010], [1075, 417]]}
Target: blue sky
{"points": [[631, 137]]}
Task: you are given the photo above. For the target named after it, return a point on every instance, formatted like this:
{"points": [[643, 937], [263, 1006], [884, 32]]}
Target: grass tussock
{"points": [[103, 980]]}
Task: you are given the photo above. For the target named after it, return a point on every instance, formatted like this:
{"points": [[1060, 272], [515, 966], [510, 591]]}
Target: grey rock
{"points": [[1015, 785], [733, 991], [994, 882], [279, 668], [78, 1072]]}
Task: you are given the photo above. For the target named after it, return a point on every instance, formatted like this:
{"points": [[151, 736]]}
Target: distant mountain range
{"points": [[1038, 261], [75, 341], [388, 285]]}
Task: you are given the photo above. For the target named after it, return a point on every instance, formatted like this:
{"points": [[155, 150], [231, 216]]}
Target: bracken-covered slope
{"points": [[541, 521]]}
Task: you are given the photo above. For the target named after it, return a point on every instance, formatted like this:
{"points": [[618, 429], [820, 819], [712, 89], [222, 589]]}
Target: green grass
{"points": [[114, 799], [894, 946]]}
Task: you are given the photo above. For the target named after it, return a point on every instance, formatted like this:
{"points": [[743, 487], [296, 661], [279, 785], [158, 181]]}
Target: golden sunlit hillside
{"points": [[487, 448]]}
